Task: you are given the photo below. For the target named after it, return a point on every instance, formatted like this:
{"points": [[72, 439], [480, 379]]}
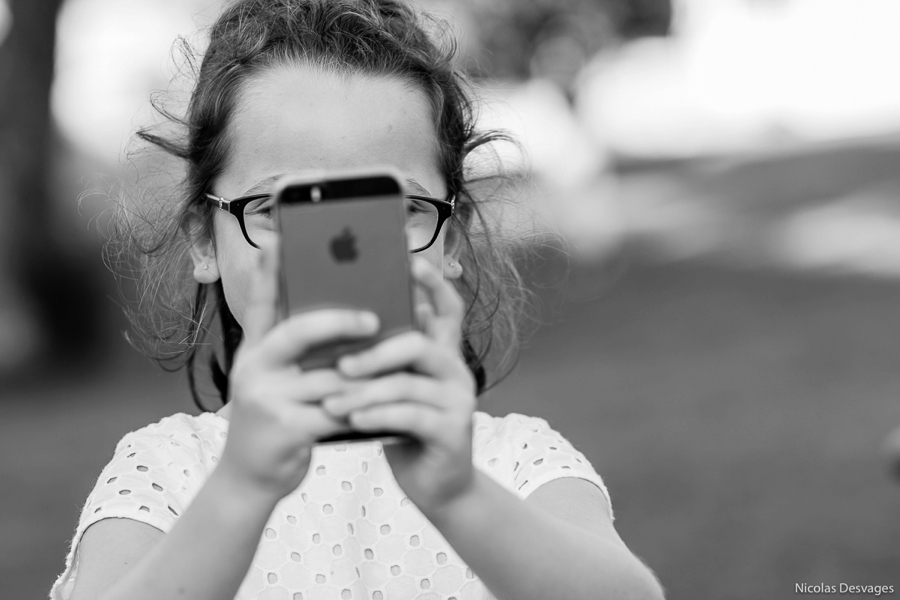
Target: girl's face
{"points": [[292, 118]]}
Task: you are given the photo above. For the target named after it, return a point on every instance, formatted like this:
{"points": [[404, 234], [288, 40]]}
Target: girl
{"points": [[239, 503]]}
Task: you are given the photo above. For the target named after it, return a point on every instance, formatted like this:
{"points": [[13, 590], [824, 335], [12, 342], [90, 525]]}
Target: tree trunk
{"points": [[41, 283]]}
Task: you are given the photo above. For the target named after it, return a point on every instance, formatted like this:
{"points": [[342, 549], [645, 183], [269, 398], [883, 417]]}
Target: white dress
{"points": [[348, 532]]}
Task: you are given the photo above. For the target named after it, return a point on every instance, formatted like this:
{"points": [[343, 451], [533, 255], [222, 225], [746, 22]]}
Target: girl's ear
{"points": [[203, 255], [452, 267], [452, 246]]}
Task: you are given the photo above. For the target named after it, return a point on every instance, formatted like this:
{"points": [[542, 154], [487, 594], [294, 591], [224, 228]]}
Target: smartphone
{"points": [[343, 245]]}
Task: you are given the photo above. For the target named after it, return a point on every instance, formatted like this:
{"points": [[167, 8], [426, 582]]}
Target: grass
{"points": [[736, 417]]}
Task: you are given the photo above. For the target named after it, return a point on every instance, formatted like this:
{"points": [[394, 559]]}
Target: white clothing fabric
{"points": [[348, 532]]}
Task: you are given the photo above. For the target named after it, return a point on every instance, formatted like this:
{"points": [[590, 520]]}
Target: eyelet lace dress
{"points": [[348, 532]]}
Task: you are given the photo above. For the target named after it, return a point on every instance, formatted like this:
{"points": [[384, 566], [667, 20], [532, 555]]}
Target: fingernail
{"points": [[332, 405], [369, 321], [347, 364]]}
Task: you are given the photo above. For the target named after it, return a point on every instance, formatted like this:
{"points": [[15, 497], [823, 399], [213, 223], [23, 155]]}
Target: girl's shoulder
{"points": [[181, 448], [516, 432], [523, 453], [152, 477], [205, 432], [156, 470], [511, 424]]}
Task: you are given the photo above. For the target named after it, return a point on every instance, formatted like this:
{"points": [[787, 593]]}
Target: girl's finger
{"points": [[262, 312], [307, 387], [300, 413], [404, 351], [399, 387], [421, 421], [425, 318], [288, 341], [446, 301], [317, 422]]}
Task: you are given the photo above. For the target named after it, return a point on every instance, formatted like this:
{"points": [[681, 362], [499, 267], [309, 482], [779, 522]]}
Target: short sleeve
{"points": [[542, 455], [151, 478]]}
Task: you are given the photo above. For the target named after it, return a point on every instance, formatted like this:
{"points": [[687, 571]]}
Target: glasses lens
{"points": [[421, 223], [259, 218]]}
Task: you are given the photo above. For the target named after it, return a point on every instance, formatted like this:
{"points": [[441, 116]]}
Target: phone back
{"points": [[343, 248]]}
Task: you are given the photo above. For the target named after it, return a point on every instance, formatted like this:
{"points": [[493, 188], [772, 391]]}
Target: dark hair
{"points": [[377, 37]]}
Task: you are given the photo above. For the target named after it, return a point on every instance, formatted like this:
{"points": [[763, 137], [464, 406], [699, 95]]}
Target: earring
{"points": [[454, 269], [206, 267]]}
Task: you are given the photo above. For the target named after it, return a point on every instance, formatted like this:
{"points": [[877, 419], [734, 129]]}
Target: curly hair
{"points": [[175, 317]]}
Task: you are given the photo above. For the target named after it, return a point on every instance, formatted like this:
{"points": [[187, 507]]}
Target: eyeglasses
{"points": [[424, 216]]}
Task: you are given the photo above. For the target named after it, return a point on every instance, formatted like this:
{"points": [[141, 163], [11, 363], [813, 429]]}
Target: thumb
{"points": [[262, 312]]}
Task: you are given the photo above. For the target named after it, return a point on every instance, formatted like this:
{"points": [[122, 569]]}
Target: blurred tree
{"points": [[511, 31], [47, 300]]}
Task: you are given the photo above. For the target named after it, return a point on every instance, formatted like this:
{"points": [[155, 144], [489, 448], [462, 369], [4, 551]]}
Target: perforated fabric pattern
{"points": [[524, 453], [348, 532]]}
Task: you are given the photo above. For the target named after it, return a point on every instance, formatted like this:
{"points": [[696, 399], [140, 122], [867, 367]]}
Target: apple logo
{"points": [[343, 246]]}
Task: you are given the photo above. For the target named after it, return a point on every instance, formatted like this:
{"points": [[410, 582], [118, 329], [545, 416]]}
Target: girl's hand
{"points": [[428, 393], [276, 414]]}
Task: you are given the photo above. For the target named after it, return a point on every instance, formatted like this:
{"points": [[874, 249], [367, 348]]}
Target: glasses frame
{"points": [[445, 210], [236, 207]]}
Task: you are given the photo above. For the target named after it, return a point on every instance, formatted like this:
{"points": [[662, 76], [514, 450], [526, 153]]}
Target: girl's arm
{"points": [[205, 556], [559, 543], [275, 419], [547, 548]]}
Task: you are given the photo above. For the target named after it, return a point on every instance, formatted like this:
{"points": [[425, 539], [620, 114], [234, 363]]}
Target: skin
{"points": [[289, 119], [292, 119]]}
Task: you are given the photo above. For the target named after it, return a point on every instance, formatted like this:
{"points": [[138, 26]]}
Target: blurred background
{"points": [[720, 334]]}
